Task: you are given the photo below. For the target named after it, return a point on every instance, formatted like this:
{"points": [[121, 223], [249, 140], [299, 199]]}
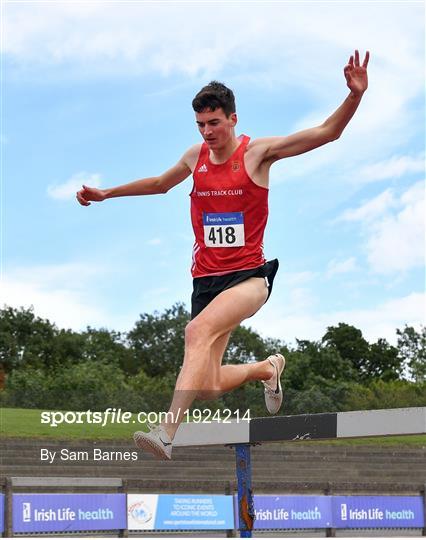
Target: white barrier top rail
{"points": [[376, 423]]}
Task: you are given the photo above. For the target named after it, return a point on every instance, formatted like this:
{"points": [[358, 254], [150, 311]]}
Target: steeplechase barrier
{"points": [[117, 508], [322, 426]]}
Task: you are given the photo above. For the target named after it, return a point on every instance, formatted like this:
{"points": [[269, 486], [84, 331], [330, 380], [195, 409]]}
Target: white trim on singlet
{"points": [[195, 250]]}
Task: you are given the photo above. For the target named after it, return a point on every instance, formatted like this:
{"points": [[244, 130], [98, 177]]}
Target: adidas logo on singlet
{"points": [[203, 168]]}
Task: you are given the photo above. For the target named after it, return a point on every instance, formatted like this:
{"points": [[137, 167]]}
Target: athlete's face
{"points": [[215, 127]]}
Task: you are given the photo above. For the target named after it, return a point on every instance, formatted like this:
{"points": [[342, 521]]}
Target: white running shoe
{"points": [[274, 396], [155, 441]]}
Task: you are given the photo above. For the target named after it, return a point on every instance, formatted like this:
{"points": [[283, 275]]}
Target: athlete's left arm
{"points": [[274, 148]]}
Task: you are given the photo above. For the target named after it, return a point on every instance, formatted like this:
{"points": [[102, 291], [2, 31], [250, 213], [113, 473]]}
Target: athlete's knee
{"points": [[191, 334], [198, 332]]}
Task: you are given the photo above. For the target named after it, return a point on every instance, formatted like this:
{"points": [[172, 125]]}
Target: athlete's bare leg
{"points": [[216, 320], [227, 378]]}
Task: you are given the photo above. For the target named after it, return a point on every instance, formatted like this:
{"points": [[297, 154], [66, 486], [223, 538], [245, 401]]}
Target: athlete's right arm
{"points": [[145, 186]]}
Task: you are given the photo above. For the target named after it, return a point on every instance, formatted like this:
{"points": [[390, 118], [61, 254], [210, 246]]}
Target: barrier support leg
{"points": [[246, 513], [8, 501]]}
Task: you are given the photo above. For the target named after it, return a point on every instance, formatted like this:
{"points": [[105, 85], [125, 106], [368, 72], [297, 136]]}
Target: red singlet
{"points": [[229, 214]]}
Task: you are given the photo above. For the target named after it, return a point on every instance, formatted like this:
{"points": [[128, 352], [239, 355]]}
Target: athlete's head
{"points": [[214, 96], [214, 107]]}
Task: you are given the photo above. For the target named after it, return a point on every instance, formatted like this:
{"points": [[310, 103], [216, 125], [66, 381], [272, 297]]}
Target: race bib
{"points": [[224, 229]]}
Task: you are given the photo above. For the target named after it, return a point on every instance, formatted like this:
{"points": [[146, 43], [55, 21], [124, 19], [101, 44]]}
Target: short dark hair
{"points": [[214, 96]]}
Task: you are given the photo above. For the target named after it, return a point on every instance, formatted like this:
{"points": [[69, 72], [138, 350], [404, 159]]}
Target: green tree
{"points": [[247, 397], [158, 341], [87, 385], [298, 368], [412, 351], [246, 345], [155, 392], [381, 394], [109, 347], [384, 361], [311, 400], [27, 388], [325, 360], [25, 340], [351, 345]]}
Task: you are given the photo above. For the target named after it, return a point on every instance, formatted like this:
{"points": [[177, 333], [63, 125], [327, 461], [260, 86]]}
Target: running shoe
{"points": [[274, 396], [155, 441]]}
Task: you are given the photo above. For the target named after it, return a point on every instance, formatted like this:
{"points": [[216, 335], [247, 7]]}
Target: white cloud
{"points": [[154, 242], [301, 300], [72, 295], [341, 267], [377, 322], [57, 292], [158, 294], [397, 241], [394, 229], [293, 279], [148, 35], [68, 189], [295, 47], [370, 210], [394, 167]]}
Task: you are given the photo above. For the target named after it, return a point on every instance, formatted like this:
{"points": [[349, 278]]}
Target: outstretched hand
{"points": [[356, 75], [87, 194]]}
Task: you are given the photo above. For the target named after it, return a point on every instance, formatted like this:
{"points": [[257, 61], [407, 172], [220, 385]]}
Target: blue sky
{"points": [[100, 93]]}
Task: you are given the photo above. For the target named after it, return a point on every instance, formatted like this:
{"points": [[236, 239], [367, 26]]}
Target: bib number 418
{"points": [[224, 230], [218, 235]]}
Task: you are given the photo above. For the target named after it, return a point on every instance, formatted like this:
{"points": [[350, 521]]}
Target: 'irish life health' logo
{"points": [[26, 512]]}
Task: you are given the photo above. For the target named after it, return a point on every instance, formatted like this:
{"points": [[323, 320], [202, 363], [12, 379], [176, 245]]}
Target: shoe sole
{"points": [[281, 371], [145, 443], [280, 390]]}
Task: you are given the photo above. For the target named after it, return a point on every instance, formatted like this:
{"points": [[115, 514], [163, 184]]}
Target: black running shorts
{"points": [[207, 288]]}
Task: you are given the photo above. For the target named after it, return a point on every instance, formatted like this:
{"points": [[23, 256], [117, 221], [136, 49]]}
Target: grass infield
{"points": [[26, 423]]}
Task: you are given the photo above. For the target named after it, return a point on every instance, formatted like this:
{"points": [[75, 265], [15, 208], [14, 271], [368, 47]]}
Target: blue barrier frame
{"points": [[246, 513]]}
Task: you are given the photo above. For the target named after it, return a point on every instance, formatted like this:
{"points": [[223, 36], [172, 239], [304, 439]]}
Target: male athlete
{"points": [[229, 211]]}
